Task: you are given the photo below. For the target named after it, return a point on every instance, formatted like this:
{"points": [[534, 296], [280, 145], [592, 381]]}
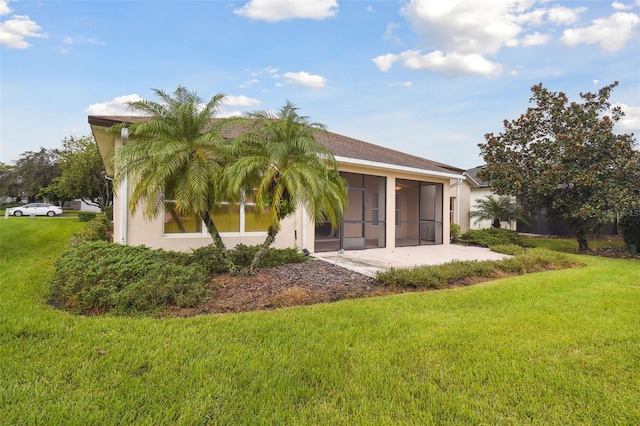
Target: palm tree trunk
{"points": [[219, 244], [274, 228]]}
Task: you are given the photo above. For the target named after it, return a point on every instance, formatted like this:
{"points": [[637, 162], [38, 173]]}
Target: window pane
{"points": [[227, 217], [174, 223], [256, 224]]}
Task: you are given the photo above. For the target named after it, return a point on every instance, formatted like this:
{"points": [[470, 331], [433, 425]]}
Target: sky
{"points": [[426, 77]]}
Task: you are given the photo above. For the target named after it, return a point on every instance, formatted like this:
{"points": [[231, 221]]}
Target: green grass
{"points": [[560, 347], [571, 244]]}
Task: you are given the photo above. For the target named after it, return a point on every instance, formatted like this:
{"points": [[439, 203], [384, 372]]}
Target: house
{"points": [[395, 199], [478, 190]]}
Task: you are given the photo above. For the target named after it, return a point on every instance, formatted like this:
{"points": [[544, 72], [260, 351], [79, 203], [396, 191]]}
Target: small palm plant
{"points": [[497, 209], [279, 163]]}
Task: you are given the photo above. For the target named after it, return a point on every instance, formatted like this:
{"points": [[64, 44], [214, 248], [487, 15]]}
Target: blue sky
{"points": [[426, 77]]}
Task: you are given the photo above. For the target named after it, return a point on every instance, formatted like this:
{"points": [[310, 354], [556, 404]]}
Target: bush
{"points": [[99, 277], [510, 249], [629, 226], [242, 255], [86, 216], [95, 230], [454, 232], [439, 276], [108, 211], [491, 237]]}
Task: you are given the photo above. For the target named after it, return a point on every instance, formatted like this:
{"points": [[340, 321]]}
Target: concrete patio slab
{"points": [[369, 262]]}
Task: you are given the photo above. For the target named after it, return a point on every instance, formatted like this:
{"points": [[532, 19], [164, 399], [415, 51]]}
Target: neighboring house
{"points": [[395, 199], [480, 189], [80, 205]]}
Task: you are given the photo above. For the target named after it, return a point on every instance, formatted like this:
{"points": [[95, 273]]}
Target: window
{"points": [[174, 223], [238, 218]]}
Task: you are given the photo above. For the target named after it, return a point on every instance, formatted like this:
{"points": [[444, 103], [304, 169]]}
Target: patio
{"points": [[370, 261]]}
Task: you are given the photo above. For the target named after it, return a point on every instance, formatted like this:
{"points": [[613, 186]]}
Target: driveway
{"points": [[370, 261]]}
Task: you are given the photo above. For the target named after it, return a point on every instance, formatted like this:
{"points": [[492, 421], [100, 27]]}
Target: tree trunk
{"points": [[583, 243], [274, 228], [219, 244], [496, 223]]}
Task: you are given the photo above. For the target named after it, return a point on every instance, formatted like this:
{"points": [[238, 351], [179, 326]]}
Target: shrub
{"points": [[510, 249], [242, 255], [108, 211], [629, 226], [99, 277], [86, 216], [95, 230], [454, 232], [491, 237], [439, 276]]}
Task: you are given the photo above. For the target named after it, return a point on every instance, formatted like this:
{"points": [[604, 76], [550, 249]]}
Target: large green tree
{"points": [[497, 210], [9, 184], [565, 156], [83, 173], [33, 171], [279, 163], [177, 154]]}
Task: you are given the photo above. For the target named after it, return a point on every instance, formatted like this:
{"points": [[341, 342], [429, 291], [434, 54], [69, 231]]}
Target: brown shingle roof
{"points": [[339, 145]]}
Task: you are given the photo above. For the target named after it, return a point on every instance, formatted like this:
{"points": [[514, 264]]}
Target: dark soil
{"points": [[307, 283]]}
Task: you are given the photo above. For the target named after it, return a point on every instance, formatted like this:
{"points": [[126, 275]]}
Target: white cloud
{"points": [[450, 64], [4, 8], [390, 34], [15, 31], [240, 101], [630, 123], [535, 39], [68, 42], [384, 62], [249, 83], [561, 15], [468, 26], [402, 84], [305, 79], [610, 33], [623, 6], [279, 10], [116, 106]]}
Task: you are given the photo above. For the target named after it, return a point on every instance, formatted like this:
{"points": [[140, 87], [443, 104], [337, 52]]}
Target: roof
{"points": [[342, 147], [473, 175]]}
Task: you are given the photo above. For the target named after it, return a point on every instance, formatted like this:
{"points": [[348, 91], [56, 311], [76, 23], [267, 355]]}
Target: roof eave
{"points": [[398, 168]]}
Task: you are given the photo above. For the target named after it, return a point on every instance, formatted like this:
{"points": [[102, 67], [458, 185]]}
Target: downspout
{"points": [[304, 228], [124, 137], [123, 211]]}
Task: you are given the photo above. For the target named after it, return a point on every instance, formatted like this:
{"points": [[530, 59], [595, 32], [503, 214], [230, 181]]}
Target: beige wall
{"points": [[461, 194]]}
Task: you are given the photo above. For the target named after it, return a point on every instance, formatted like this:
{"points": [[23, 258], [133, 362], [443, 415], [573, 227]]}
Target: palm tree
{"points": [[177, 154], [497, 209], [280, 165]]}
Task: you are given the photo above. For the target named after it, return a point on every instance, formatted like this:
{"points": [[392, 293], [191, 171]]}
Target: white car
{"points": [[38, 209]]}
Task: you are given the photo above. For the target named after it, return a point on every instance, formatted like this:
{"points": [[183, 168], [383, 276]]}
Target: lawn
{"points": [[559, 347]]}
